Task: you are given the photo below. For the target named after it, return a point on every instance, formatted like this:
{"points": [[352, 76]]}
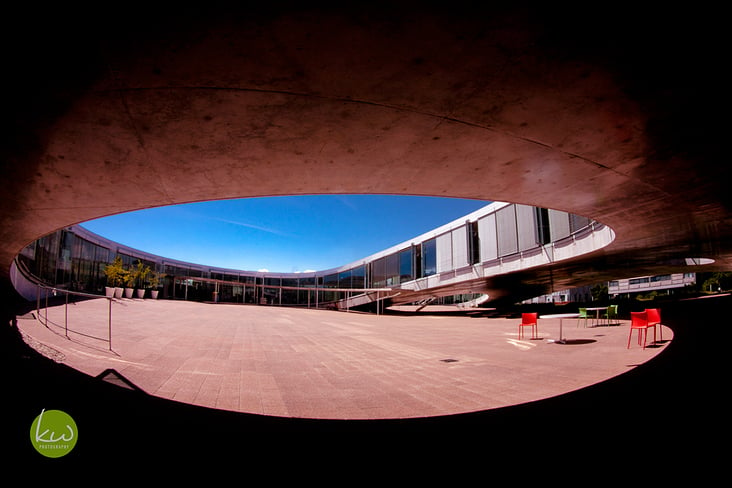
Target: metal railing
{"points": [[53, 291]]}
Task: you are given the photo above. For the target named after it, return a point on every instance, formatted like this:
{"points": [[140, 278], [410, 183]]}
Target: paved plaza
{"points": [[302, 363]]}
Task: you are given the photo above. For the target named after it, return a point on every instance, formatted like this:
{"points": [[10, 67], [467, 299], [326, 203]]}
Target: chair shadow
{"points": [[574, 342]]}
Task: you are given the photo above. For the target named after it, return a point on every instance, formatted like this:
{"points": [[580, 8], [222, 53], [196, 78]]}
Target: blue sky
{"points": [[281, 234]]}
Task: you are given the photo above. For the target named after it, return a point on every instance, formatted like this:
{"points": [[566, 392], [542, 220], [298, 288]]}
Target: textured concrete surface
{"points": [[333, 365], [158, 106], [617, 114]]}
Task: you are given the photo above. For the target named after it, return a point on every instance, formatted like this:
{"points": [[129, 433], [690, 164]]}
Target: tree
{"points": [[116, 272], [718, 281], [599, 292], [155, 278], [139, 275]]}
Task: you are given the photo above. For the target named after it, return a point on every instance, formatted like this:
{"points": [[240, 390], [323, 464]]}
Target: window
{"points": [[444, 252], [378, 271], [88, 265], [46, 254], [330, 281], [429, 257], [507, 231], [473, 242], [661, 278], [358, 277], [272, 281], [417, 260], [577, 222], [543, 235], [405, 266], [344, 279], [526, 227], [290, 296], [558, 224], [291, 282], [392, 269], [488, 237], [461, 246]]}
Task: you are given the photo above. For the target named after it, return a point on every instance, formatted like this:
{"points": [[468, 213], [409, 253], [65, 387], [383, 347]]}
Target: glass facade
{"points": [[75, 259], [429, 257], [406, 265], [67, 261]]}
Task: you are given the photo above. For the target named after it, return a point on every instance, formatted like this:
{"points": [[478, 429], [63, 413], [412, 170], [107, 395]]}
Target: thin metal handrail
{"points": [[53, 290]]}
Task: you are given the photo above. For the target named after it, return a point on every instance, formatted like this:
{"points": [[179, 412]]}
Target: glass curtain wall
{"points": [[68, 259], [87, 265], [406, 265], [65, 260], [358, 277], [429, 257], [271, 291]]}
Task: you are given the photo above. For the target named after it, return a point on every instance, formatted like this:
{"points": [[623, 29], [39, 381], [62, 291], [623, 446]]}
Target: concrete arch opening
{"points": [[614, 121], [461, 257]]}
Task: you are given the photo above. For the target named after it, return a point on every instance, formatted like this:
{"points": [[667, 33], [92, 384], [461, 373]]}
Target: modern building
{"points": [[626, 287], [616, 113], [453, 260], [647, 284]]}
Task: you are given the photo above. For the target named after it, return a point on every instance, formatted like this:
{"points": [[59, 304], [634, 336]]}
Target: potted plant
{"points": [[116, 276], [141, 272], [130, 280], [154, 283]]}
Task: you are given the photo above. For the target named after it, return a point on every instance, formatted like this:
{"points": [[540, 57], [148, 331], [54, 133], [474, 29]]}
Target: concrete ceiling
{"points": [[608, 115]]}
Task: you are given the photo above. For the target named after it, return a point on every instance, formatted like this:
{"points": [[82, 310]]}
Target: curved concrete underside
{"points": [[598, 119], [609, 114]]}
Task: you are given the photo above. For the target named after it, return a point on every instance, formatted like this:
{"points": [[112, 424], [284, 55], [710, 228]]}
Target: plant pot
{"points": [[109, 291], [118, 292], [154, 294], [129, 292], [141, 293]]}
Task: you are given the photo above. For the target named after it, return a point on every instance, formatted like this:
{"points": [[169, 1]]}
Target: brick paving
{"points": [[316, 364]]}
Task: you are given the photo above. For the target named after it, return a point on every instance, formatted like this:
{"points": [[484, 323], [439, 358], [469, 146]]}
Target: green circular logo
{"points": [[53, 433]]}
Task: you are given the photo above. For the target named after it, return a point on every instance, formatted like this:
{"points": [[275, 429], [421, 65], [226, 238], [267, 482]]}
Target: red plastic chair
{"points": [[639, 322], [529, 320], [654, 319]]}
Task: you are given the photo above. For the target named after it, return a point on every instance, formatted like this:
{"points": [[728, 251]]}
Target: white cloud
{"points": [[256, 227]]}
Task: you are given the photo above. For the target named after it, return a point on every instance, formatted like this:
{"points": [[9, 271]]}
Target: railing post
{"points": [[66, 316], [109, 324], [46, 310]]}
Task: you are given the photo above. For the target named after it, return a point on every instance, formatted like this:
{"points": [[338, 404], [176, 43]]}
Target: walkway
{"points": [[335, 365]]}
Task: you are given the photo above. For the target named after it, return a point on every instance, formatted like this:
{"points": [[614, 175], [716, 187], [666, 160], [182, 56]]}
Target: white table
{"points": [[561, 317], [597, 313]]}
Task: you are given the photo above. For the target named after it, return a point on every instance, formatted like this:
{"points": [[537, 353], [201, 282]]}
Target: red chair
{"points": [[639, 322], [529, 320], [654, 319]]}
